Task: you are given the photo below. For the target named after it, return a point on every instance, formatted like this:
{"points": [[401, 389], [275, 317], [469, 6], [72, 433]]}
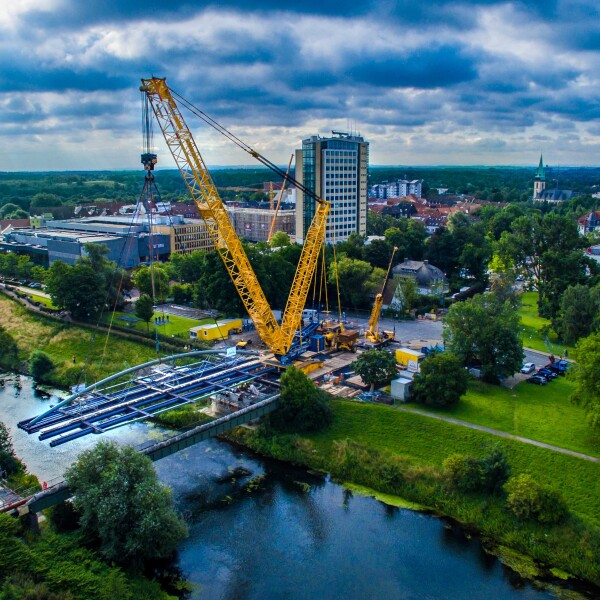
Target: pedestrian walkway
{"points": [[499, 433]]}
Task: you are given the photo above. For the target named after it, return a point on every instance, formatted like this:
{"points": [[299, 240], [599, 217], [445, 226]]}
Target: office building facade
{"points": [[335, 169]]}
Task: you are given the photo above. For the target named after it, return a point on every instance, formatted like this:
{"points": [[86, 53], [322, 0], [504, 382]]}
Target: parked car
{"points": [[528, 368], [537, 379], [547, 373]]}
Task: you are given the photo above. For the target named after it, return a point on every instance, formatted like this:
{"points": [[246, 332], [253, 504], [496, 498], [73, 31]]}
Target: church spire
{"points": [[540, 174]]}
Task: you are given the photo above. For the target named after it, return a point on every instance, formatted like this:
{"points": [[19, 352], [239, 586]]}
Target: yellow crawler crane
{"points": [[204, 193], [372, 334]]}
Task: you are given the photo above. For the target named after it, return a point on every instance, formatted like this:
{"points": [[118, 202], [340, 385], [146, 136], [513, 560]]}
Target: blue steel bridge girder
{"points": [[146, 396]]}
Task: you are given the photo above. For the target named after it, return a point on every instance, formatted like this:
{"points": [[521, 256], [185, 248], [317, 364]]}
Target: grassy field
{"points": [[542, 413], [531, 324], [179, 326], [429, 441], [63, 341]]}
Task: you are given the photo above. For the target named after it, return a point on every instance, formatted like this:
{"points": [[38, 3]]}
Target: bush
{"points": [[495, 470], [486, 474], [528, 499], [40, 365], [464, 472]]}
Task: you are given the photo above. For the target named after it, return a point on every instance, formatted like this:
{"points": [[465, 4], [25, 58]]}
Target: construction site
{"points": [[245, 364]]}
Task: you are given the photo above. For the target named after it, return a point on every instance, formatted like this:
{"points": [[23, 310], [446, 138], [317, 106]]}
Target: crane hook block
{"points": [[149, 160]]}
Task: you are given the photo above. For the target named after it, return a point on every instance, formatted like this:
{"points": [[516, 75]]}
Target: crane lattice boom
{"points": [[204, 193]]}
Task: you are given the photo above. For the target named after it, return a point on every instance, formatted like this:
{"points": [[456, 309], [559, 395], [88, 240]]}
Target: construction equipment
{"points": [[372, 334], [337, 337], [285, 341]]}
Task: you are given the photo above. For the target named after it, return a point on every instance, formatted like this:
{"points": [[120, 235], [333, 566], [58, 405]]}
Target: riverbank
{"points": [[401, 454], [77, 352]]}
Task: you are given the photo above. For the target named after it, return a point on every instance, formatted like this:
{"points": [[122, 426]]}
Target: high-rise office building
{"points": [[335, 169]]}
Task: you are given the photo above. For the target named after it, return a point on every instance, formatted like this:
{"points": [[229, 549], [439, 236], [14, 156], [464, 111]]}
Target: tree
{"points": [[377, 223], [12, 211], [79, 289], [353, 247], [182, 293], [585, 375], [528, 499], [376, 367], [579, 314], [40, 365], [302, 405], [9, 463], [352, 276], [143, 281], [547, 249], [409, 237], [9, 356], [463, 472], [279, 239], [378, 253], [45, 199], [485, 331], [441, 382], [144, 309], [409, 292], [123, 505]]}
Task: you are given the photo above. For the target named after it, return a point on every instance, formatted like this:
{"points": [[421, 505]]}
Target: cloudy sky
{"points": [[463, 82]]}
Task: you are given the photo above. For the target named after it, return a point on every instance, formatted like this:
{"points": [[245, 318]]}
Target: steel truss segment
{"points": [[204, 193]]}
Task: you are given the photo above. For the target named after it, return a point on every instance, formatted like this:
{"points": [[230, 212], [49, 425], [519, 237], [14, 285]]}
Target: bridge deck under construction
{"points": [[162, 388]]}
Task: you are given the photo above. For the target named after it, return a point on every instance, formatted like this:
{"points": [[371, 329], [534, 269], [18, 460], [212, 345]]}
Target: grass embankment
{"points": [[61, 341], [47, 302], [543, 413], [176, 325], [401, 453], [34, 566], [532, 325]]}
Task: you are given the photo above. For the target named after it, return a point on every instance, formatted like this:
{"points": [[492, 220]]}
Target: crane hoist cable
{"points": [[287, 173], [244, 146]]}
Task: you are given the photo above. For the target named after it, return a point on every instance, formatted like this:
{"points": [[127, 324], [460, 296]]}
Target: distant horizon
{"points": [[263, 168]]}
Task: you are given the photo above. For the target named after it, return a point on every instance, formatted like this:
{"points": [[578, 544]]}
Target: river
{"points": [[297, 536]]}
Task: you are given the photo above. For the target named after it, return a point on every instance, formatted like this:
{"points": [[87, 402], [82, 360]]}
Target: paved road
{"points": [[499, 433]]}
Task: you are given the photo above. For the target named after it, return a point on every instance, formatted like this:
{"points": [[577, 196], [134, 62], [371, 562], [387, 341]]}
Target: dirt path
{"points": [[499, 433]]}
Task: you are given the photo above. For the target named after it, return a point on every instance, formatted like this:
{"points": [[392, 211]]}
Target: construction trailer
{"points": [[409, 359], [400, 388], [220, 330]]}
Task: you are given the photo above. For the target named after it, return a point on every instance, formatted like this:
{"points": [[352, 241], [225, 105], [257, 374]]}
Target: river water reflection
{"points": [[297, 536]]}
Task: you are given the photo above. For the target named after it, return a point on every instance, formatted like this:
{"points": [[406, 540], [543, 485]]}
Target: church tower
{"points": [[539, 181]]}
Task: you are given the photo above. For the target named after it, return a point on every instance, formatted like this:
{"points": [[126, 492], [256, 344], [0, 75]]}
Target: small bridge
{"points": [[60, 491]]}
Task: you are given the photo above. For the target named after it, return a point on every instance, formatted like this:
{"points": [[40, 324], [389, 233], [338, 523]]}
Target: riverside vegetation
{"points": [[412, 456], [64, 561]]}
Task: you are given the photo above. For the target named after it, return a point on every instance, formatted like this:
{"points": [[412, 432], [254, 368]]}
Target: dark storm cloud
{"points": [[480, 64], [427, 68]]}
